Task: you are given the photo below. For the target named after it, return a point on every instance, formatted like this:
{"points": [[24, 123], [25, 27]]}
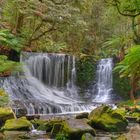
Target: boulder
{"points": [[82, 115], [13, 135], [46, 125], [87, 136], [134, 133], [107, 119], [57, 127], [75, 128], [2, 136], [17, 124], [5, 114]]}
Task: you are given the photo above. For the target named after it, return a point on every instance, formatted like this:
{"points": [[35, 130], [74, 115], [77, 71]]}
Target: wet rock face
{"points": [[19, 109], [82, 115], [105, 118]]}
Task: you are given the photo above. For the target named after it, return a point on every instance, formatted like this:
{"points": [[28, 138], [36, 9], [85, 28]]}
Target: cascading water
{"points": [[47, 85], [104, 80]]}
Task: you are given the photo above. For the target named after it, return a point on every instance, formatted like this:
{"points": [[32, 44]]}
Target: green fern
{"points": [[10, 40]]}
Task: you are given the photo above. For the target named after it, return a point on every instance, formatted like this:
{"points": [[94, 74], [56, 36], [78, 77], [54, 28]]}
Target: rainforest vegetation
{"points": [[90, 30]]}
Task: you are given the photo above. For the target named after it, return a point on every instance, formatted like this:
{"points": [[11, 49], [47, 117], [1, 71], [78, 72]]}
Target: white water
{"points": [[47, 85], [104, 80]]}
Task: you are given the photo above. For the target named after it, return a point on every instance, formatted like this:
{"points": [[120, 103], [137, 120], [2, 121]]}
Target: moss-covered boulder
{"points": [[17, 124], [5, 114], [87, 136], [57, 127], [75, 128], [107, 119], [46, 125]]}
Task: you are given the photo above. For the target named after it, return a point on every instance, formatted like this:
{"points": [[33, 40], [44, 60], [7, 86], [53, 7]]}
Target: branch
{"points": [[42, 34], [60, 3], [125, 14], [37, 28], [129, 13]]}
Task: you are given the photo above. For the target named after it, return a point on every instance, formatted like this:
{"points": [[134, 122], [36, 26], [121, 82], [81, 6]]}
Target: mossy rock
{"points": [[5, 114], [45, 125], [82, 115], [75, 128], [4, 98], [107, 119], [121, 111], [17, 124], [122, 137], [87, 136], [98, 112], [57, 128]]}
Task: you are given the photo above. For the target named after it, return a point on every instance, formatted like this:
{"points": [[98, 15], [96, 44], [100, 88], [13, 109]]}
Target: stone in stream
{"points": [[82, 115], [56, 128], [75, 128], [133, 134], [17, 124], [87, 136], [105, 118], [5, 114]]}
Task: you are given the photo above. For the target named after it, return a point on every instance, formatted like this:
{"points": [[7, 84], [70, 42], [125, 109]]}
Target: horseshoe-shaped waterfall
{"points": [[47, 84]]}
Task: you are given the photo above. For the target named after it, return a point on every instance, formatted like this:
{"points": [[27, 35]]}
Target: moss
{"points": [[57, 128], [17, 124], [45, 125], [121, 111], [98, 112], [87, 136], [76, 132], [61, 136], [4, 98], [24, 137], [107, 119], [122, 137], [5, 114]]}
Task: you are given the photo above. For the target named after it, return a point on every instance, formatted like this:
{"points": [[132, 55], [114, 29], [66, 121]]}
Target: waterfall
{"points": [[47, 85], [104, 80]]}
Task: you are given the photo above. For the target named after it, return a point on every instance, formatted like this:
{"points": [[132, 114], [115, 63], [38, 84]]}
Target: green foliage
{"points": [[129, 103], [61, 136], [130, 66], [10, 40], [116, 43], [86, 67], [7, 65], [121, 86], [51, 46], [4, 98]]}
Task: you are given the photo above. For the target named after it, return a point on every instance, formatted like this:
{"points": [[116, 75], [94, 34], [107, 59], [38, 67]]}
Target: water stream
{"points": [[104, 80], [47, 84]]}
